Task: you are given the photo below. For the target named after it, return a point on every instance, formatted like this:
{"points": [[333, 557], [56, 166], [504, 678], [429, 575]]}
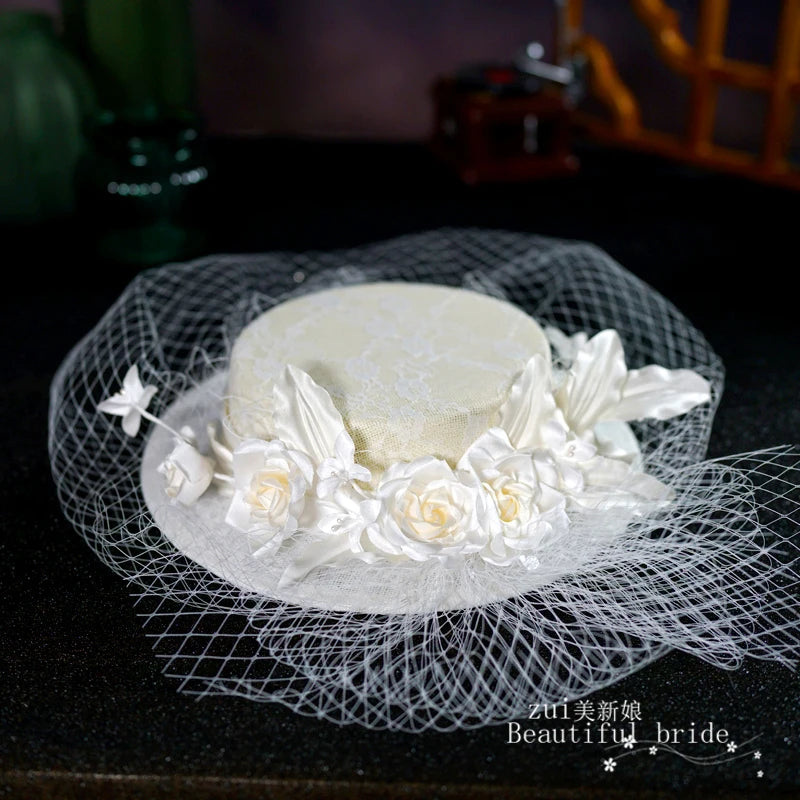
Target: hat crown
{"points": [[414, 369]]}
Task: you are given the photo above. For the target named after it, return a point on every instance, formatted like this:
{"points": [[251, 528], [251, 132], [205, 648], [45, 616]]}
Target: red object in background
{"points": [[490, 137], [500, 75]]}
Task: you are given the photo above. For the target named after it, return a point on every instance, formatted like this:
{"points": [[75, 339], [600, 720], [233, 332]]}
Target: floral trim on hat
{"points": [[516, 486]]}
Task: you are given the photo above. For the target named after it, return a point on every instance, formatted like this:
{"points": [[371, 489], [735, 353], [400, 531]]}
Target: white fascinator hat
{"points": [[420, 484]]}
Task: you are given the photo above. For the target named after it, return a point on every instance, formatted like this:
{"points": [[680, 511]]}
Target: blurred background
{"points": [[127, 111], [363, 68]]}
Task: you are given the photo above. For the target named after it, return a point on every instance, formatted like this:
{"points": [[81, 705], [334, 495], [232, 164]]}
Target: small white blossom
{"points": [[130, 402], [340, 468], [347, 512], [343, 517], [609, 764]]}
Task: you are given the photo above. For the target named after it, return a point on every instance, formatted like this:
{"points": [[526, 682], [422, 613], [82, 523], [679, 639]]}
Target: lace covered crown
{"points": [[414, 370]]}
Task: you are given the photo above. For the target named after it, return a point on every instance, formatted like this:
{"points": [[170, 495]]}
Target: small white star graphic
{"points": [[760, 773], [629, 743], [609, 764], [757, 755], [653, 750], [732, 747]]}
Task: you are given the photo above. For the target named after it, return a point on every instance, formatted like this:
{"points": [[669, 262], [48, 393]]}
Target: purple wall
{"points": [[363, 68], [358, 68]]}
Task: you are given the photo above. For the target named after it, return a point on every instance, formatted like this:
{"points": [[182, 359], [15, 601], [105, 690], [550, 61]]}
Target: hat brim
{"points": [[200, 532]]}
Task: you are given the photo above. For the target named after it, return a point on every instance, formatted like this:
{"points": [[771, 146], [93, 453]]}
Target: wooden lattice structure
{"points": [[707, 68]]}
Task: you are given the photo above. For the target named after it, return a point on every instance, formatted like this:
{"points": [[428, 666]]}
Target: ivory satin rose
{"points": [[270, 483], [428, 511], [526, 510]]}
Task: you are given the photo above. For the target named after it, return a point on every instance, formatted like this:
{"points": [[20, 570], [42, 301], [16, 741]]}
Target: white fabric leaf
{"points": [[593, 388], [320, 553], [611, 483], [305, 418], [530, 404], [659, 393], [615, 439]]}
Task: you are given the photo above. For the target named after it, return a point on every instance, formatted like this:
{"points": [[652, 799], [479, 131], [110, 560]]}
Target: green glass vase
{"points": [[143, 182], [45, 96], [140, 55], [143, 189]]}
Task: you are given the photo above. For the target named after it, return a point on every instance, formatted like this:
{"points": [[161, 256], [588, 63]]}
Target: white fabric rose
{"points": [[428, 512], [527, 509], [188, 473], [270, 485]]}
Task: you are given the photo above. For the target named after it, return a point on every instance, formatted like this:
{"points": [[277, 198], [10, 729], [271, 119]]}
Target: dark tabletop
{"points": [[84, 709]]}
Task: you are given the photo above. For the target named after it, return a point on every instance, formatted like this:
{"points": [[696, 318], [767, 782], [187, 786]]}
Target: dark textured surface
{"points": [[84, 710]]}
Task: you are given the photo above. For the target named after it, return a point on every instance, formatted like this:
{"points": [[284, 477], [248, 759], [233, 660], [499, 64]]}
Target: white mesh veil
{"points": [[714, 574]]}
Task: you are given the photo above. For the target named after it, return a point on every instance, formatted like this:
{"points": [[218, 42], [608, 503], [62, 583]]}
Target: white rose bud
{"points": [[188, 473]]}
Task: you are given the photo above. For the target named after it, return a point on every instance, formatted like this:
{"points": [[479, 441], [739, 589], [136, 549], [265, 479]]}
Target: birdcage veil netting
{"points": [[712, 574]]}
